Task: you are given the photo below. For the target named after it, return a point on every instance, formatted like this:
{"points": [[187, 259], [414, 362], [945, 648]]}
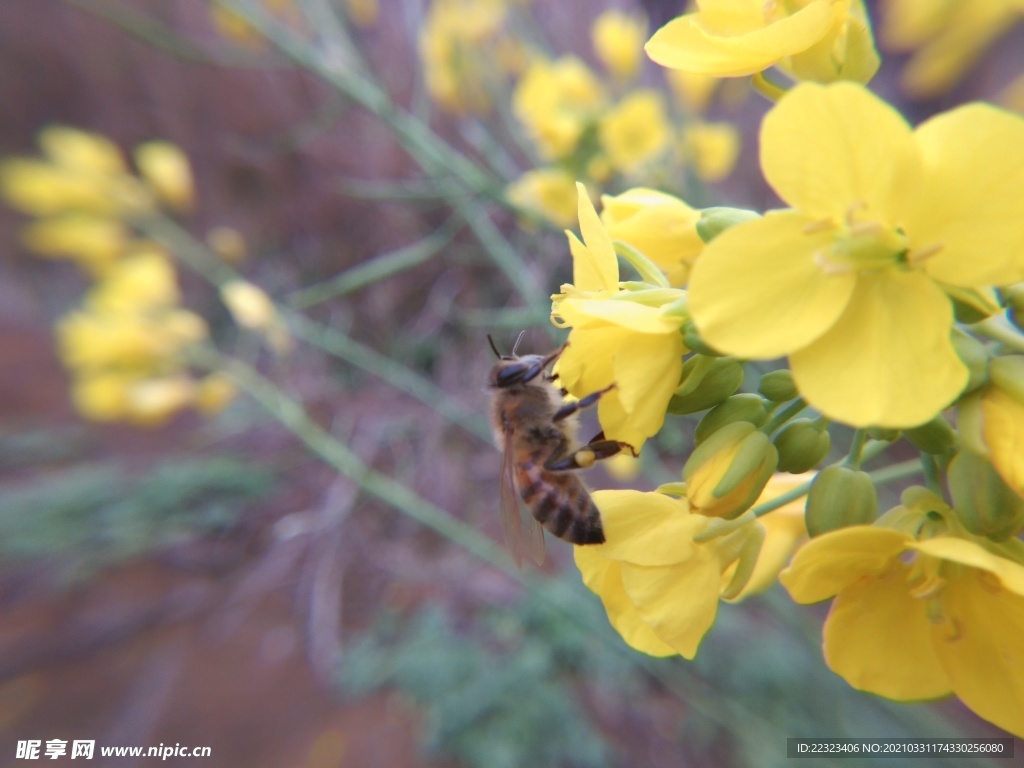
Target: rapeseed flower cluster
{"points": [[128, 346], [884, 295]]}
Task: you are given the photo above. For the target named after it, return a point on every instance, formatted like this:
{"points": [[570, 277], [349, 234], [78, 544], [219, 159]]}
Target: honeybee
{"points": [[535, 430]]}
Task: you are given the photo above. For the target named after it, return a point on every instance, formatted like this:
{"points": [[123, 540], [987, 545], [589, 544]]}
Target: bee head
{"points": [[509, 371]]}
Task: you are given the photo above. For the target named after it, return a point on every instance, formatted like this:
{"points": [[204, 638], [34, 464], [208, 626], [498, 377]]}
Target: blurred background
{"points": [[310, 573]]}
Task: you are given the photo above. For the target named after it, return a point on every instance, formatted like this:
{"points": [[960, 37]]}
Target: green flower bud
{"points": [[744, 407], [705, 382], [935, 436], [802, 444], [714, 221], [886, 434], [693, 341], [974, 355], [727, 472], [839, 497], [778, 386], [985, 504]]}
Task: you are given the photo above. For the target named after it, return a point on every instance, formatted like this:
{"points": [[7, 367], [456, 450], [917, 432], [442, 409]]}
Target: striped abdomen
{"points": [[560, 502]]}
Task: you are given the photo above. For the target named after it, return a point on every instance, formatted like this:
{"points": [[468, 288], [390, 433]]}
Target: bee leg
{"points": [[586, 456], [584, 402]]}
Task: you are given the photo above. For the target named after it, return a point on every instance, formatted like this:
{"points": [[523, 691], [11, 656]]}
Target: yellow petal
{"points": [[649, 529], [604, 578], [825, 149], [888, 361], [639, 318], [831, 562], [1003, 429], [679, 602], [750, 46], [878, 639], [981, 650], [757, 292], [594, 266], [1009, 573], [970, 204]]}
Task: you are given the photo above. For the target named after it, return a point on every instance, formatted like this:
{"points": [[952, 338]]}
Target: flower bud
{"points": [[972, 305], [985, 504], [742, 407], [802, 444], [839, 497], [778, 386], [727, 472], [705, 381], [166, 170], [714, 221], [935, 436]]}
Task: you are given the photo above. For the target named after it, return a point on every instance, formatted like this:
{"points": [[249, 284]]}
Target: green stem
{"points": [[853, 458], [931, 473], [784, 415], [998, 328]]}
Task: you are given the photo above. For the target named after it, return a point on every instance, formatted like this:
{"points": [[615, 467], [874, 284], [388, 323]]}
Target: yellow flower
{"points": [[849, 283], [166, 171], [252, 308], [818, 40], [629, 337], [947, 37], [636, 131], [712, 149], [921, 610], [547, 192], [93, 242], [658, 585], [660, 226], [81, 173], [619, 42], [555, 102], [458, 75]]}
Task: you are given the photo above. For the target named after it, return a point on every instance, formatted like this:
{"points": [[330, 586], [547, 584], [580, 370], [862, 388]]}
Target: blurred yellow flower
{"points": [[659, 579], [660, 226], [555, 102], [946, 36], [817, 40], [711, 149], [126, 347], [635, 132], [252, 308], [921, 609], [363, 13], [93, 242], [455, 48], [849, 283], [627, 337], [166, 171], [618, 40], [692, 89], [547, 192]]}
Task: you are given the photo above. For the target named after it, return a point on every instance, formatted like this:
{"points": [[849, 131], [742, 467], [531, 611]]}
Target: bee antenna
{"points": [[516, 345], [493, 347]]}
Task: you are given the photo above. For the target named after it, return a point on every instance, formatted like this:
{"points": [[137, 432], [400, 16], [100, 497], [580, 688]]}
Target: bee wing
{"points": [[523, 534]]}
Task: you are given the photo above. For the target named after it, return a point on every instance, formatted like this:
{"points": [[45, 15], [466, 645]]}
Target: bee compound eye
{"points": [[511, 375]]}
